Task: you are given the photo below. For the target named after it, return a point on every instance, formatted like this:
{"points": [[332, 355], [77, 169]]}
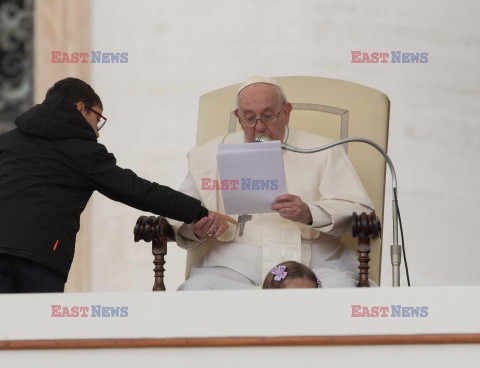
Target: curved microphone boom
{"points": [[395, 249], [264, 138]]}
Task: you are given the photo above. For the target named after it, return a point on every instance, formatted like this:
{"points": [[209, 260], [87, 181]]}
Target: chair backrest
{"points": [[327, 107]]}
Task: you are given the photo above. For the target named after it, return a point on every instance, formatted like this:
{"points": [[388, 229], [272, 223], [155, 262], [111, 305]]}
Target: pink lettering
{"points": [[55, 57], [84, 311], [355, 311], [384, 311], [66, 312], [224, 184], [74, 311], [384, 56], [74, 57], [84, 56], [365, 58], [215, 185], [65, 58], [205, 182], [233, 184], [355, 57], [366, 312], [55, 311]]}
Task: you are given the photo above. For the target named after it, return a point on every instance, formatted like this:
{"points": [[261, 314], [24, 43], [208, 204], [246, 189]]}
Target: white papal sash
{"points": [[280, 240]]}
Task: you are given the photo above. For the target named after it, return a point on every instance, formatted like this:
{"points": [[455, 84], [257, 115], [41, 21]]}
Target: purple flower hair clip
{"points": [[319, 283], [279, 273]]}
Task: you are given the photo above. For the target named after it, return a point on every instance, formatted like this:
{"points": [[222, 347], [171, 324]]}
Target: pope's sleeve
{"points": [[341, 193]]}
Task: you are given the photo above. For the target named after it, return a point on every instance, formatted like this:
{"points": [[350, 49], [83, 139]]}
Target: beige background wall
{"points": [[64, 26], [180, 50]]}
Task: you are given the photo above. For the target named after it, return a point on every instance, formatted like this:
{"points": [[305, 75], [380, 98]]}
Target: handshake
{"points": [[212, 226]]}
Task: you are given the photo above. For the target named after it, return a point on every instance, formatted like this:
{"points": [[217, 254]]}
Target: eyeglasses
{"points": [[102, 120], [267, 120]]}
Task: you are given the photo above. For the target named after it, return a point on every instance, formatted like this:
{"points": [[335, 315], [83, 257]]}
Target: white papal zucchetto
{"points": [[258, 79]]}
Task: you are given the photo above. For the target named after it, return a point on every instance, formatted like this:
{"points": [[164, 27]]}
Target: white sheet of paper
{"points": [[255, 175]]}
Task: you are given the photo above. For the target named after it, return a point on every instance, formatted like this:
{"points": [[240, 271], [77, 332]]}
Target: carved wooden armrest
{"points": [[158, 231], [365, 227]]}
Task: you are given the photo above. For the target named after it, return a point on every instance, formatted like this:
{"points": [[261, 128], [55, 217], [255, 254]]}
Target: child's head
{"points": [[291, 274]]}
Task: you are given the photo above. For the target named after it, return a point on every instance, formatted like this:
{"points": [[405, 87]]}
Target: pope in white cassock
{"points": [[324, 191]]}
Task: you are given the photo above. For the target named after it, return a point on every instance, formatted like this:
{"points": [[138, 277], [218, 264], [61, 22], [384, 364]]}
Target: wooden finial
{"points": [[158, 231], [365, 227]]}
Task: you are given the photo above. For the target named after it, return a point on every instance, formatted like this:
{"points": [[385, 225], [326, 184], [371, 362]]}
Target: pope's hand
{"points": [[291, 207], [212, 226]]}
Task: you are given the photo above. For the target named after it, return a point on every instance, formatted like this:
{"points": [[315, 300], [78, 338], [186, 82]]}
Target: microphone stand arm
{"points": [[395, 249]]}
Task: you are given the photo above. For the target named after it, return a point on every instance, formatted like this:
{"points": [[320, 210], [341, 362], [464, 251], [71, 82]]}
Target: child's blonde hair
{"points": [[293, 270]]}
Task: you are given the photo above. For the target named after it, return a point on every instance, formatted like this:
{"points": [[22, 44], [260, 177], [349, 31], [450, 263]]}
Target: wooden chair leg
{"points": [[365, 227], [159, 250]]}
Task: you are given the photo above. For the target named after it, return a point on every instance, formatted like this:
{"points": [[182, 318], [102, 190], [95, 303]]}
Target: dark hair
{"points": [[75, 90], [294, 270]]}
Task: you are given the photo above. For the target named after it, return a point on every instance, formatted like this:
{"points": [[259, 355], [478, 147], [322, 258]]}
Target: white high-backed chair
{"points": [[332, 108]]}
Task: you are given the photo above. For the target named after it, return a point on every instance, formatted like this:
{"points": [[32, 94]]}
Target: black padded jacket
{"points": [[49, 167]]}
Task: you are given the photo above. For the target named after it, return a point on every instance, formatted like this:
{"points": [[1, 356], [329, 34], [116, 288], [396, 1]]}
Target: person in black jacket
{"points": [[49, 167]]}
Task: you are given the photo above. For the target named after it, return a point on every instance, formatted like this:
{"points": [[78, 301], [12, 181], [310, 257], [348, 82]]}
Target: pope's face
{"points": [[262, 100]]}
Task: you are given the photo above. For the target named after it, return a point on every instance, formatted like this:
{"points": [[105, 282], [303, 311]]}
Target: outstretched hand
{"points": [[212, 226], [291, 207]]}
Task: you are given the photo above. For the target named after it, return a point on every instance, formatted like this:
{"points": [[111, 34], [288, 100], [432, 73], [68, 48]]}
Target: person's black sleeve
{"points": [[125, 186]]}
